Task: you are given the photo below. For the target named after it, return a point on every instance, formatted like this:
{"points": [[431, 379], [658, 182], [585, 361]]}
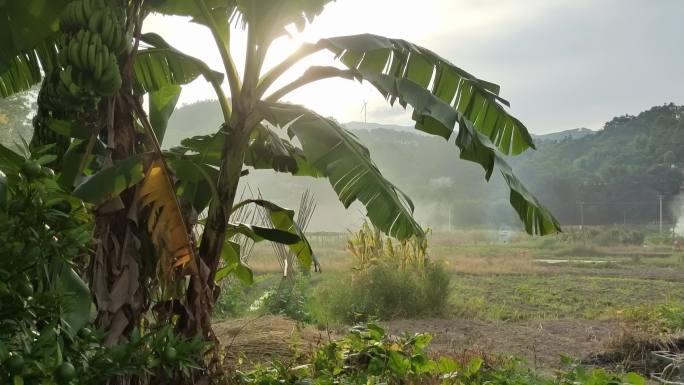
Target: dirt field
{"points": [[539, 343]]}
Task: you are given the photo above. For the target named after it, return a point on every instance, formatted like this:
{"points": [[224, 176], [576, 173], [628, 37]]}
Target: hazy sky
{"points": [[561, 63]]}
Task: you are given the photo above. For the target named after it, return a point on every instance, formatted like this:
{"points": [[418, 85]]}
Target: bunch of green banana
{"points": [[77, 14], [97, 67], [97, 17], [67, 87], [50, 107], [106, 23]]}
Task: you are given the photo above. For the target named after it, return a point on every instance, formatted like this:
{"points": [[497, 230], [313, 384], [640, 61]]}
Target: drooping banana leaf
{"points": [[110, 181], [233, 264], [265, 150], [346, 163], [165, 223], [386, 63], [442, 96], [162, 103], [27, 33]]}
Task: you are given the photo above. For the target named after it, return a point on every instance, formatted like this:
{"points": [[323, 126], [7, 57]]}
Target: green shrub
{"points": [[232, 301], [289, 299], [46, 335], [386, 292]]}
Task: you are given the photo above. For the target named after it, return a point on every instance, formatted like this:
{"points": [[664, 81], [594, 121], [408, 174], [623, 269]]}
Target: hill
{"points": [[617, 172], [575, 133]]}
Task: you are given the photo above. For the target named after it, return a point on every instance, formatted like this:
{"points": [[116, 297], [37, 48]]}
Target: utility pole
{"points": [[581, 206], [660, 206], [449, 218]]}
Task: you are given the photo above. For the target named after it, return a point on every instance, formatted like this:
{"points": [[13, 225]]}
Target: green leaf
{"points": [[10, 160], [421, 341], [79, 299], [635, 379], [231, 257], [258, 233], [111, 181], [71, 161], [162, 103], [231, 253], [446, 365], [388, 63], [267, 150], [245, 274], [27, 30], [163, 66], [69, 128], [474, 366], [270, 17], [475, 147], [197, 180], [399, 364], [282, 220], [347, 164]]}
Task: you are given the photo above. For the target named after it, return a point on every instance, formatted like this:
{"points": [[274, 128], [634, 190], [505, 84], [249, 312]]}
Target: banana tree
{"points": [[118, 147]]}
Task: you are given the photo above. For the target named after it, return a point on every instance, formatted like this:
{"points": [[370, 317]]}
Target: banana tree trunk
{"points": [[117, 277], [214, 234]]}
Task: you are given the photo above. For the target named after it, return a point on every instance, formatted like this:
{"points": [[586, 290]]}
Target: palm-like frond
{"points": [[442, 96], [387, 63], [341, 157]]}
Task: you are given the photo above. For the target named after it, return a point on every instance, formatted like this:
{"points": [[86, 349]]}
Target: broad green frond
{"points": [[347, 164], [387, 62]]}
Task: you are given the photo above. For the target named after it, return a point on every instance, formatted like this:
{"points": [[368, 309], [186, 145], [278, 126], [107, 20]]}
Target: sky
{"points": [[562, 64]]}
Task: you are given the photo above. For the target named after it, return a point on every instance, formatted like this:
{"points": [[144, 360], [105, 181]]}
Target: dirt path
{"points": [[540, 343]]}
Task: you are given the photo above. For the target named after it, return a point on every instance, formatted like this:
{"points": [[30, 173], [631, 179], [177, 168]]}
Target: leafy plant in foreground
{"points": [[368, 355]]}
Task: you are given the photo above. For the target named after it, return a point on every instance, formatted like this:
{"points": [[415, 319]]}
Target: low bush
{"points": [[386, 292], [603, 236]]}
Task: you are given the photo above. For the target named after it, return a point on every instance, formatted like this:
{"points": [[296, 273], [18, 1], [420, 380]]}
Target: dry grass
{"points": [[516, 264], [260, 339], [630, 349]]}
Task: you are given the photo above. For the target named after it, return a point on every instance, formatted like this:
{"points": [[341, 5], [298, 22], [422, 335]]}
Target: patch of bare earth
{"points": [[539, 343]]}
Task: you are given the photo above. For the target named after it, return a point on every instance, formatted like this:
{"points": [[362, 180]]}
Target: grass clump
{"points": [[389, 279], [386, 292]]}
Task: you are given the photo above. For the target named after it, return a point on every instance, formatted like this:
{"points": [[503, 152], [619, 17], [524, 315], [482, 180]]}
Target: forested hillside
{"points": [[618, 172]]}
